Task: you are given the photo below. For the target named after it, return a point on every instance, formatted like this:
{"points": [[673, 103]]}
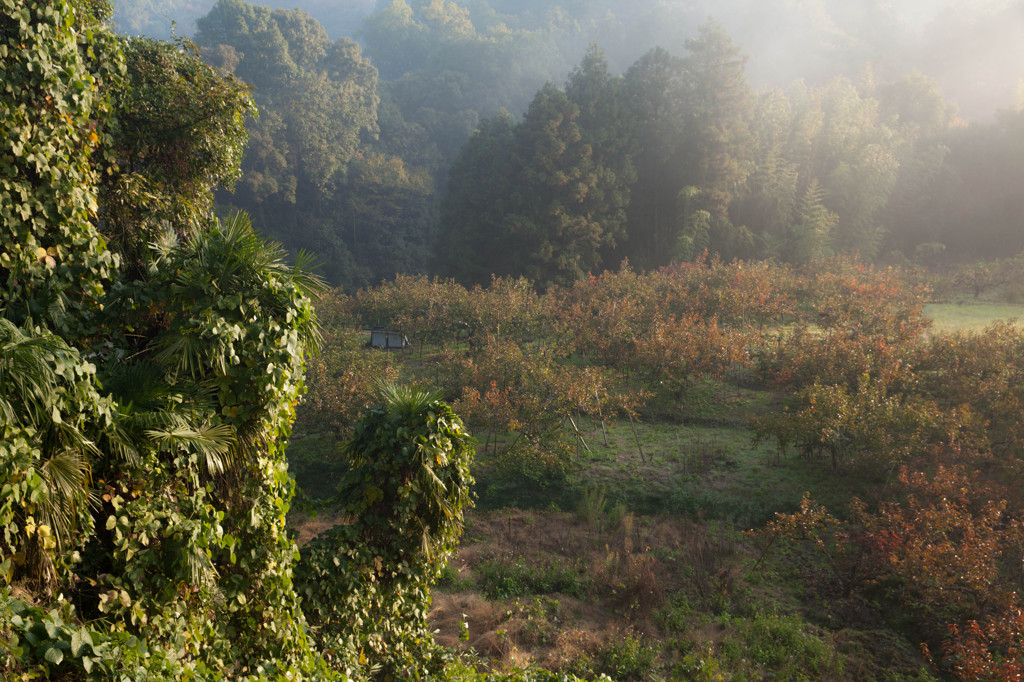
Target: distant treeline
{"points": [[404, 153]]}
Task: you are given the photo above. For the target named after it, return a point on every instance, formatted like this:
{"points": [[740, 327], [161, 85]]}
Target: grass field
{"points": [[963, 315]]}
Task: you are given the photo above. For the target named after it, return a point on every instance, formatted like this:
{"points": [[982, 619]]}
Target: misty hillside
{"points": [[973, 48]]}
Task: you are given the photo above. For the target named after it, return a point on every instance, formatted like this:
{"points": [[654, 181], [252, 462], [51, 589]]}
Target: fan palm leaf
{"points": [[213, 443], [45, 389], [28, 377]]}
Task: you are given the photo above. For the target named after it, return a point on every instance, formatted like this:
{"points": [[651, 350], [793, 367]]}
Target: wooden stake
{"points": [[637, 437], [579, 435]]}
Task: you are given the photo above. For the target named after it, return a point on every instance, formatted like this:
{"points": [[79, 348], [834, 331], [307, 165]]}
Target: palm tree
{"points": [[47, 395]]}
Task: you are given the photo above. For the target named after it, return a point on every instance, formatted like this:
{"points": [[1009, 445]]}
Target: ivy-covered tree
{"points": [[54, 269], [53, 264], [151, 358], [365, 585], [179, 131]]}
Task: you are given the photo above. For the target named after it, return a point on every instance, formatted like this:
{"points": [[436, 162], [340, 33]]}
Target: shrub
{"points": [[502, 579], [782, 645], [365, 585]]}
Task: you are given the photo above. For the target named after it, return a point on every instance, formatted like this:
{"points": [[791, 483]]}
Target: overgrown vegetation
{"points": [[821, 378], [706, 470]]}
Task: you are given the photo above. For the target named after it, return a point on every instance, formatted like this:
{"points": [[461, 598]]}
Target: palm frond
{"points": [[212, 442], [182, 352], [165, 244], [28, 378], [125, 439], [67, 476], [304, 277], [118, 441], [199, 567], [407, 400], [139, 384]]}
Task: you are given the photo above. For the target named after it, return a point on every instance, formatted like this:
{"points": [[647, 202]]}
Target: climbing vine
{"points": [[365, 585]]}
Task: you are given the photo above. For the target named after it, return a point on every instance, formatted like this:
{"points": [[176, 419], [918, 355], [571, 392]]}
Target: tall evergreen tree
{"points": [[716, 103], [472, 240], [608, 129], [649, 90], [531, 199]]}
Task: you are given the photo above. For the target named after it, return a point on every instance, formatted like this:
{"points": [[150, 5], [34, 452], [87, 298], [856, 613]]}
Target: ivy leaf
{"points": [[53, 655], [76, 643]]}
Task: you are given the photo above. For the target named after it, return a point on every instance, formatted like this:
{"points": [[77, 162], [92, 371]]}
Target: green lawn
{"points": [[949, 317]]}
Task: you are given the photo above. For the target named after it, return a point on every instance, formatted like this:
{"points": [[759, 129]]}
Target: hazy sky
{"points": [[974, 49]]}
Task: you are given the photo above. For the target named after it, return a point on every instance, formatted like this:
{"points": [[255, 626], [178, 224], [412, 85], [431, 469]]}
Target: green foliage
{"points": [[556, 208], [52, 643], [471, 236], [678, 156], [966, 181], [144, 405], [365, 584], [625, 656], [388, 206], [317, 99], [52, 411], [675, 159], [235, 322], [460, 672], [179, 132], [783, 645], [592, 504], [504, 579], [60, 65]]}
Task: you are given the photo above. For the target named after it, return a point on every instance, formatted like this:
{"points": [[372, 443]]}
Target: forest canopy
{"points": [[413, 140]]}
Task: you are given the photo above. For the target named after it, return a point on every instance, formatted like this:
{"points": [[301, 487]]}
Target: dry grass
{"points": [[627, 583]]}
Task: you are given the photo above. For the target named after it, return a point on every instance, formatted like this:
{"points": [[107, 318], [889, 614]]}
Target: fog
{"points": [[974, 49]]}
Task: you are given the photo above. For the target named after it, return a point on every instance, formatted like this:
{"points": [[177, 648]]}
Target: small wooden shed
{"points": [[387, 338]]}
